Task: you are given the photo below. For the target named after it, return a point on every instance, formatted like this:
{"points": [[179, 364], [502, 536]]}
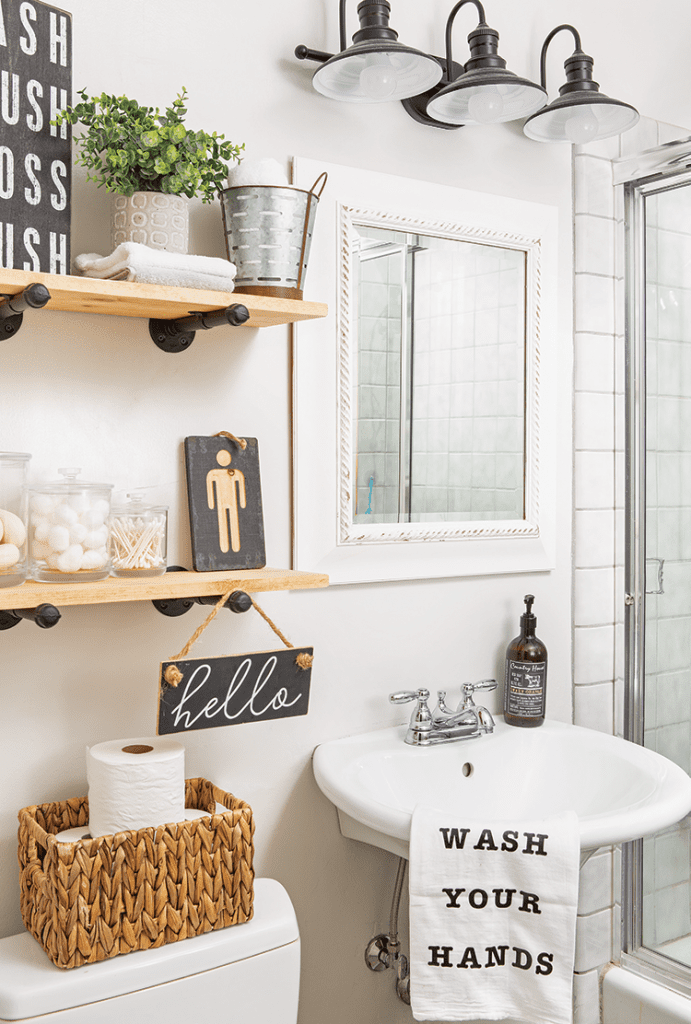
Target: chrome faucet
{"points": [[444, 725]]}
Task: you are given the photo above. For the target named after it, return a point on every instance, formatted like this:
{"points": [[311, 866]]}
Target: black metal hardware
{"points": [[238, 601], [34, 296], [303, 52], [45, 616], [416, 106], [178, 335]]}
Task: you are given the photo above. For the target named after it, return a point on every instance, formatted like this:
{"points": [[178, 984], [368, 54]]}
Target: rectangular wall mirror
{"points": [[439, 420], [423, 415]]}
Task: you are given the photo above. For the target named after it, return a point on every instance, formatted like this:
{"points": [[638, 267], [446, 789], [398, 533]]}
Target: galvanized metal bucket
{"points": [[268, 231]]}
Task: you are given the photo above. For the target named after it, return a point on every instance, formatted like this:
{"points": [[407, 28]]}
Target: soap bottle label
{"points": [[525, 683]]}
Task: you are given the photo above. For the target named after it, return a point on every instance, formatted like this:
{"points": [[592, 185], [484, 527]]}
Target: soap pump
{"points": [[525, 684]]}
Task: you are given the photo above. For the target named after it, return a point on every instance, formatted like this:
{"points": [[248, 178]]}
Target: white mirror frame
{"points": [[325, 362]]}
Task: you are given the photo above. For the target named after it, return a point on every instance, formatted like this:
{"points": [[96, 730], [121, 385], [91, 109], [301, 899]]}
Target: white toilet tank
{"points": [[249, 972]]}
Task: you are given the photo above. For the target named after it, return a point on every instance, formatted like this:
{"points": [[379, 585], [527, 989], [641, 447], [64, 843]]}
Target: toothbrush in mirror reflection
{"points": [[368, 510]]}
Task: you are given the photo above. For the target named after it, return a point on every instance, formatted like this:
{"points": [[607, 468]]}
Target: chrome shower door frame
{"points": [[648, 179]]}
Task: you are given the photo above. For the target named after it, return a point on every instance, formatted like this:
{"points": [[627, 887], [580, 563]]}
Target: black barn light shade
{"points": [[376, 67], [442, 94], [485, 92], [581, 113]]}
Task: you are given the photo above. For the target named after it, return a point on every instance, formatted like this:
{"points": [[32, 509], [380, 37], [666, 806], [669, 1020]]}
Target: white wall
{"points": [[93, 391]]}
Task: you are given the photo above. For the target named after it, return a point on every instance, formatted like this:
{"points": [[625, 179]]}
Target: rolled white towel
{"points": [[265, 171], [133, 261]]}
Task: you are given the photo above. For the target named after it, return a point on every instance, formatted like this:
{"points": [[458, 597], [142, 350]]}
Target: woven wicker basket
{"points": [[96, 898]]}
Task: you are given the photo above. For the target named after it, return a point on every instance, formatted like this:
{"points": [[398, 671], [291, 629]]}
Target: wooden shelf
{"points": [[127, 298], [158, 588]]}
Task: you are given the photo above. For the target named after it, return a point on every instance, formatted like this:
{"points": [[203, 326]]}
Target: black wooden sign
{"points": [[229, 691], [35, 157], [225, 502]]}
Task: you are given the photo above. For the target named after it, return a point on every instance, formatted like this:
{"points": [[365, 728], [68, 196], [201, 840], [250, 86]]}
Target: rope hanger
{"points": [[173, 676]]}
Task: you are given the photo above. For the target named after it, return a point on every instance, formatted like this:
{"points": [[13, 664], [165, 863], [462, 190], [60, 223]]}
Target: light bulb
{"points": [[582, 127], [486, 105], [378, 78]]}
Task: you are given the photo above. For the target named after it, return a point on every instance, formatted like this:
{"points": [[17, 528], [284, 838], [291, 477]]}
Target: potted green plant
{"points": [[150, 162]]}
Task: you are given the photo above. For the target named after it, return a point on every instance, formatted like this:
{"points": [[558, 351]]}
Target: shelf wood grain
{"points": [[128, 298], [158, 588]]}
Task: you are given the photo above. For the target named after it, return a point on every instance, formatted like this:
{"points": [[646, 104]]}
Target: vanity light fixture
{"points": [[376, 67], [581, 113], [441, 93], [485, 91]]}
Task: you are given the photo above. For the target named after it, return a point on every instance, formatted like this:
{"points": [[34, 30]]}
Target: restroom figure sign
{"points": [[225, 490], [225, 503]]}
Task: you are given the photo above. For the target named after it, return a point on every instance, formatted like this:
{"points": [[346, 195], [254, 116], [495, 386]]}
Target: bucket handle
{"points": [[313, 190]]}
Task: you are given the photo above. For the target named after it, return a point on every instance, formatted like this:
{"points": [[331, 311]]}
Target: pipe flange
{"points": [[377, 953]]}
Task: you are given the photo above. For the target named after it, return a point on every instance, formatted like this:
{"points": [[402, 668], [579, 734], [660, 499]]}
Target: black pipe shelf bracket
{"points": [[12, 307], [177, 335], [238, 601], [45, 616]]}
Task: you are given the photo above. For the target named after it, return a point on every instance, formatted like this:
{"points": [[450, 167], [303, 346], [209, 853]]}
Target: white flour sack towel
{"points": [[492, 917]]}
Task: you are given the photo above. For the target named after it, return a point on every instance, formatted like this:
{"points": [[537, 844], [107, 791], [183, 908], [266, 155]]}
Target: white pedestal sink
{"points": [[620, 791]]}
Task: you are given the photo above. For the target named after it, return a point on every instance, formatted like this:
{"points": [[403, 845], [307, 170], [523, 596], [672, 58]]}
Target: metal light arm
{"points": [[342, 24], [449, 26], [545, 45], [372, 26]]}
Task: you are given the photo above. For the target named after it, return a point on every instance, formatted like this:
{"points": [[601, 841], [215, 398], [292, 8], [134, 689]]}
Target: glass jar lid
{"points": [[14, 457], [137, 506], [70, 483]]}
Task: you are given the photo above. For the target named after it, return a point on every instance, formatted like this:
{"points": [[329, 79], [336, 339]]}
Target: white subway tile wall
{"points": [[464, 323], [599, 430]]}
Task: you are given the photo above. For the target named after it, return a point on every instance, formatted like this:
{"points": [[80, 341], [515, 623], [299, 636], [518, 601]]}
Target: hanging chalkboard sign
{"points": [[225, 502], [35, 157], [230, 691]]}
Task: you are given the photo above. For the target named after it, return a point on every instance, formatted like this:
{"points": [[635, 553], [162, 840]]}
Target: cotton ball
{"points": [[59, 538], [92, 518], [9, 555], [96, 538], [265, 171], [70, 560], [93, 559], [52, 560], [79, 502], [40, 550], [77, 533], [102, 506], [65, 514], [41, 529], [43, 504]]}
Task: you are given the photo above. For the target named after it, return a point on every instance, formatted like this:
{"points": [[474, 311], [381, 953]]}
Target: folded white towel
{"points": [[133, 261], [264, 171], [492, 917]]}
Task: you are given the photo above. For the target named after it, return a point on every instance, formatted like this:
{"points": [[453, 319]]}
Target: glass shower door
{"points": [[659, 551]]}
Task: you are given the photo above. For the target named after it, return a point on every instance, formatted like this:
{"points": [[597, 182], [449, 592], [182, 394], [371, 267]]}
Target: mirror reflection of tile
{"points": [[441, 379]]}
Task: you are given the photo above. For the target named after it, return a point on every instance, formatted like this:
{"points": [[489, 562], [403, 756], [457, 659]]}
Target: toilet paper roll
{"points": [[73, 835], [136, 783], [192, 812]]}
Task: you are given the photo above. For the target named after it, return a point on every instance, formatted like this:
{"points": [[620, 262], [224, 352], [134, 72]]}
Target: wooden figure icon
{"points": [[225, 502], [225, 490]]}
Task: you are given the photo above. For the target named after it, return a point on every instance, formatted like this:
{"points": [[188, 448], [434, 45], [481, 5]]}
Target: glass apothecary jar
{"points": [[13, 518], [68, 530], [138, 538]]}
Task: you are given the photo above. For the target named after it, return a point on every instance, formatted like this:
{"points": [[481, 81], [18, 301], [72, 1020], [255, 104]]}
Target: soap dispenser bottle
{"points": [[525, 684]]}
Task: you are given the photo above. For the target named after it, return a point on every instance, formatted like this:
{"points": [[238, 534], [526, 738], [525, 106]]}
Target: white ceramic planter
{"points": [[152, 218]]}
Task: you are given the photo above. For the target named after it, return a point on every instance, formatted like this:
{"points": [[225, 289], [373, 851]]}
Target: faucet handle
{"points": [[470, 688], [484, 684], [405, 696]]}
